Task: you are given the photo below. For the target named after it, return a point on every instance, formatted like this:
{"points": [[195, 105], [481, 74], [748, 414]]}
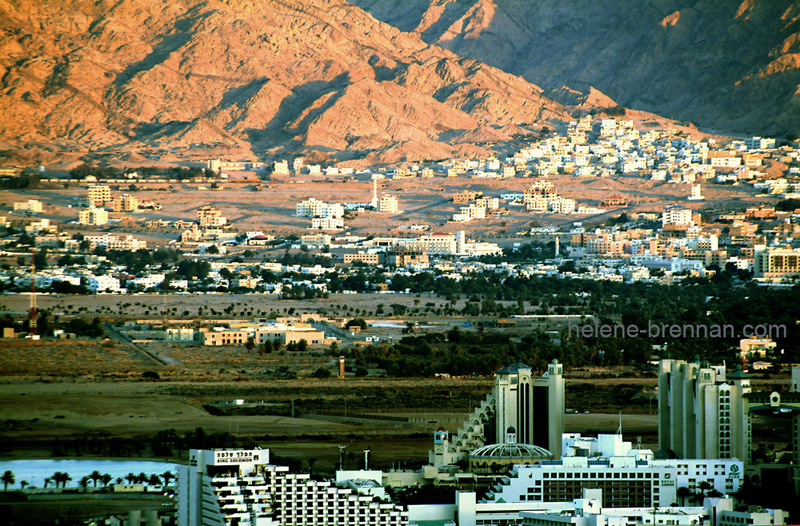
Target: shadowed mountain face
{"points": [[727, 65], [247, 77]]}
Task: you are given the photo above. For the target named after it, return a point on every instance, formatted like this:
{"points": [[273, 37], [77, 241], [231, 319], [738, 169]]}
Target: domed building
{"points": [[498, 458]]}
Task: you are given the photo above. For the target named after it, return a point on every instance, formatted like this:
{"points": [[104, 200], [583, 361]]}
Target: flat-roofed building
{"points": [[402, 257], [33, 206], [93, 216], [368, 258], [99, 194], [239, 334], [211, 217], [775, 262], [125, 203], [388, 204]]}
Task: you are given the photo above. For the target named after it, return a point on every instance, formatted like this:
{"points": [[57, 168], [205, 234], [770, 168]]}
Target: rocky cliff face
{"points": [[246, 76], [727, 65]]}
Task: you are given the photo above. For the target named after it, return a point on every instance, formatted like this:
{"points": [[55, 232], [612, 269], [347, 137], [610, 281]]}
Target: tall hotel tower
{"points": [[529, 407], [701, 413], [533, 405]]}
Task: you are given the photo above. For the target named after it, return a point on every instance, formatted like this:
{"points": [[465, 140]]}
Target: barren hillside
{"points": [[245, 78], [727, 65]]}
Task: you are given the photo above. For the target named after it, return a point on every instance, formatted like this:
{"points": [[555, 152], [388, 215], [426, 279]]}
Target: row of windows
{"points": [[594, 475]]}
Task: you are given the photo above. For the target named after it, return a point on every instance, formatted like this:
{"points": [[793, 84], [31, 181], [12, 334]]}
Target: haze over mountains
{"points": [[250, 76], [727, 65], [327, 79]]}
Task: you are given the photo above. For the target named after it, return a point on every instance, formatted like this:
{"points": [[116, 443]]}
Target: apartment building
{"points": [[93, 216], [211, 217], [676, 216], [327, 223], [776, 262], [99, 194], [368, 258], [313, 207], [388, 204], [466, 196], [32, 206], [217, 165], [113, 242], [125, 203]]}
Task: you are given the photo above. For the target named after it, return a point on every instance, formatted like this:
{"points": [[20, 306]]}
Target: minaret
{"points": [[374, 201], [558, 247]]}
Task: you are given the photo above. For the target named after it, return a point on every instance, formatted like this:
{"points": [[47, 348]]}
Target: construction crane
{"points": [[33, 314]]}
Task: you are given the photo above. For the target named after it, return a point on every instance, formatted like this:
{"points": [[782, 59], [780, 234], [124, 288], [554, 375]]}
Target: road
{"points": [[342, 334], [116, 334]]}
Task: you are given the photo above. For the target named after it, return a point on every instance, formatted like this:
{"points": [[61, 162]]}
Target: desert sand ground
{"points": [[269, 206]]}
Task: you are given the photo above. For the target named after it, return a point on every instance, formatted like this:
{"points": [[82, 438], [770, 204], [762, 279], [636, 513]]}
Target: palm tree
{"points": [[95, 476], [130, 477], [167, 476], [106, 478], [65, 477], [46, 482], [7, 478], [23, 483], [83, 482], [154, 480]]}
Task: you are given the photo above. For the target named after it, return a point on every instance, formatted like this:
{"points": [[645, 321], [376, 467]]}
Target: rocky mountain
{"points": [[246, 78], [727, 65]]}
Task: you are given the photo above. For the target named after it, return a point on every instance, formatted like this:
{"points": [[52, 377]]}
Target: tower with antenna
{"points": [[33, 313]]}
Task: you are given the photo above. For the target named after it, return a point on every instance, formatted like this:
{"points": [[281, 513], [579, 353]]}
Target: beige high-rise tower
{"points": [[701, 413]]}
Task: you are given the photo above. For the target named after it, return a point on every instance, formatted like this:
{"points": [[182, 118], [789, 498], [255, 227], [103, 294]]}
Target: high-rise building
{"points": [[532, 405], [224, 487], [701, 413]]}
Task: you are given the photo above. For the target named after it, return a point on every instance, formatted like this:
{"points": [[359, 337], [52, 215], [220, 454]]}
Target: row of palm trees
{"points": [[60, 479]]}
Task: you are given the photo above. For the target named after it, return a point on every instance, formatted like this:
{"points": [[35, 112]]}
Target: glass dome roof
{"points": [[512, 451]]}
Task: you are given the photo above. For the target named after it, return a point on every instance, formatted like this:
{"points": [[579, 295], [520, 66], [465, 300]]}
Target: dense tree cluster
{"points": [[695, 306]]}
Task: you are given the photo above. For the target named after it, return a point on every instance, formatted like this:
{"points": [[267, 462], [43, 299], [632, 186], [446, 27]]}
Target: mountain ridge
{"points": [[319, 78], [732, 67]]}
